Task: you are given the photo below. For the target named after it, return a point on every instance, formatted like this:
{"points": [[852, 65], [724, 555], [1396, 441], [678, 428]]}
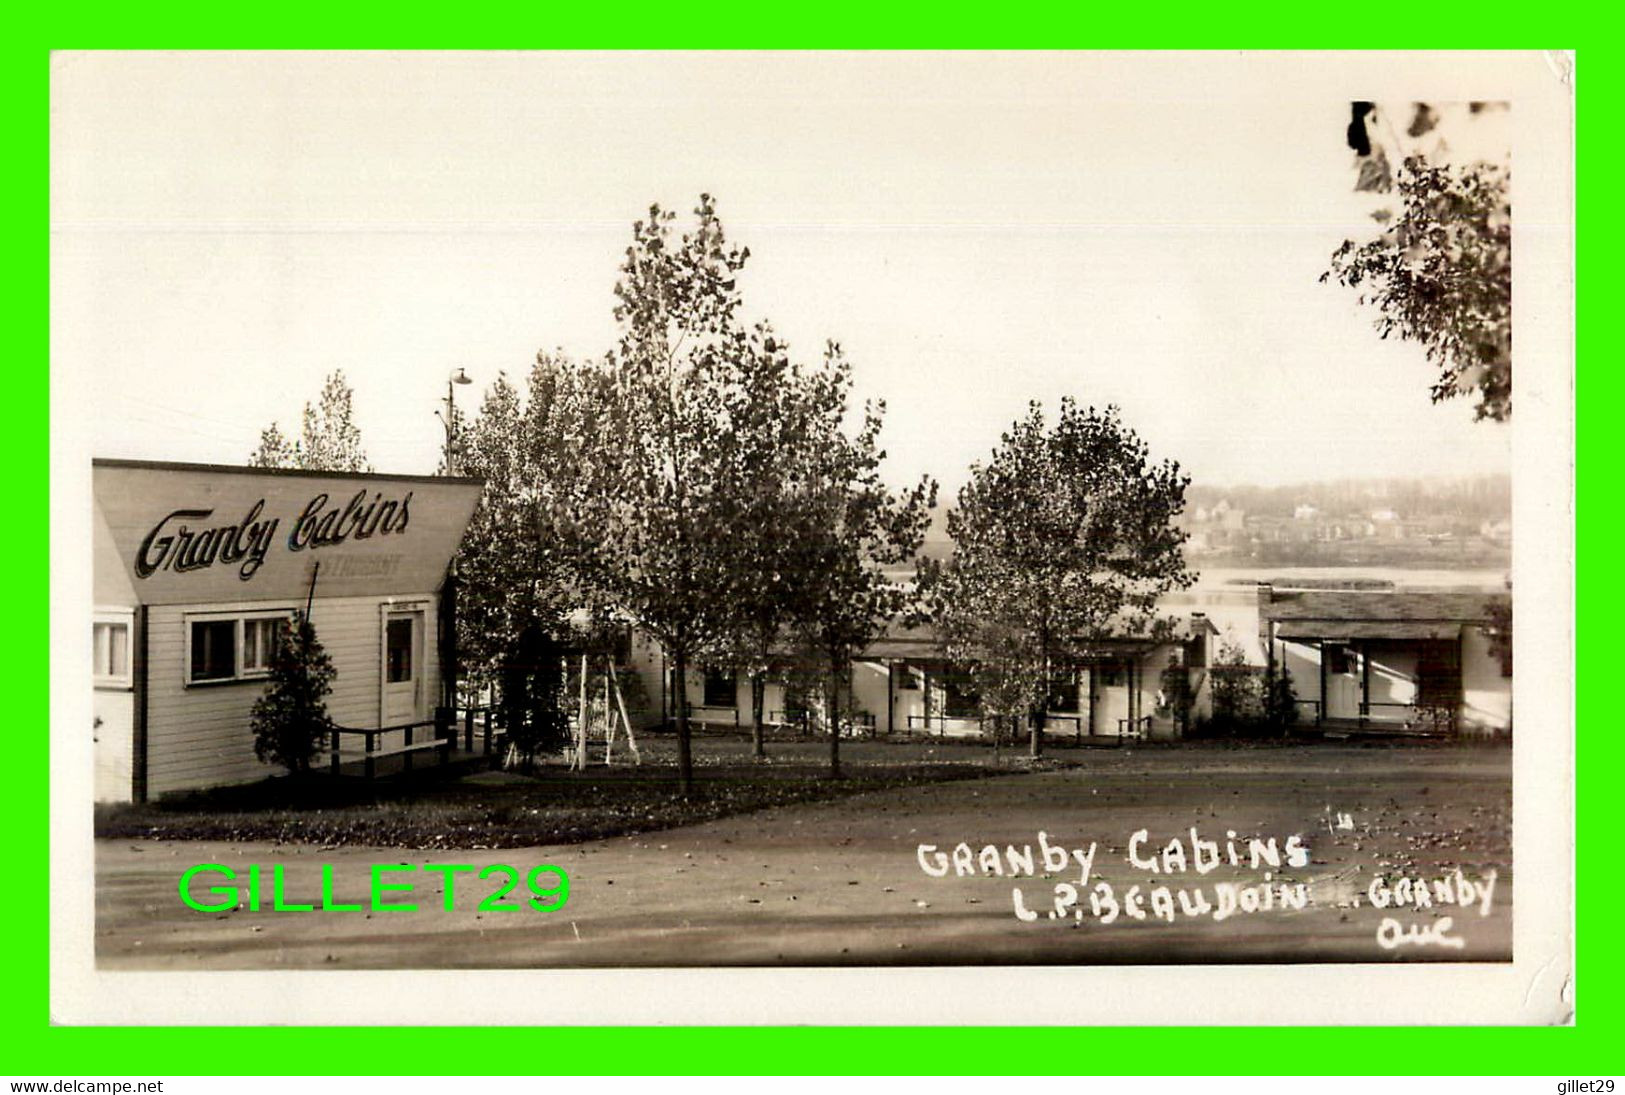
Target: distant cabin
{"points": [[1400, 660]]}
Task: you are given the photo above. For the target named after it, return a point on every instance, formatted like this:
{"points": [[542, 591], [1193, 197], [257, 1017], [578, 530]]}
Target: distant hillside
{"points": [[1452, 523], [1422, 521], [1473, 499]]}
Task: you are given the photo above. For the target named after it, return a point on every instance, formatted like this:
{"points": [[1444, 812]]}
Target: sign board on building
{"points": [[188, 534]]}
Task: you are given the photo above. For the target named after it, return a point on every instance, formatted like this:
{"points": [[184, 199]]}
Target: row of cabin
{"points": [[196, 566], [903, 684], [1411, 660]]}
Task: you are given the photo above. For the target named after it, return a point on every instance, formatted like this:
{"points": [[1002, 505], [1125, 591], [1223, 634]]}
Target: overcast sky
{"points": [[976, 230]]}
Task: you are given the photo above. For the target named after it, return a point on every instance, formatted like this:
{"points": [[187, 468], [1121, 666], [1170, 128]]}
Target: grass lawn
{"points": [[493, 809]]}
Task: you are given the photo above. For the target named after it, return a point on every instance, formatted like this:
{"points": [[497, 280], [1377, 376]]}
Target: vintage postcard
{"points": [[812, 538]]}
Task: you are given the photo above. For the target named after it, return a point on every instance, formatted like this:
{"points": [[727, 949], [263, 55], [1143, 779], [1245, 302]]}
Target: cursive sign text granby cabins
{"points": [[196, 567], [177, 546]]}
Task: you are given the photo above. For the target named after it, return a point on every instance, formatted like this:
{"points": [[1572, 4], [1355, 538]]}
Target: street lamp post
{"points": [[448, 596], [450, 417]]}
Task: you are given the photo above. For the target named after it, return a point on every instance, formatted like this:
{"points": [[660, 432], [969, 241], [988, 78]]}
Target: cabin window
{"points": [[721, 690], [398, 649], [1063, 692], [1337, 659], [214, 650], [1111, 676], [261, 637], [222, 648], [110, 653], [959, 698]]}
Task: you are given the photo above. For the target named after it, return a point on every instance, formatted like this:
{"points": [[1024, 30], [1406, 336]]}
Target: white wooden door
{"points": [[1111, 698], [1343, 672], [403, 667]]}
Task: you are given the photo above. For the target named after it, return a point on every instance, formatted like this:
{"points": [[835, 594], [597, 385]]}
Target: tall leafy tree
{"points": [[1065, 536], [329, 439], [653, 512], [781, 415], [516, 561], [857, 528]]}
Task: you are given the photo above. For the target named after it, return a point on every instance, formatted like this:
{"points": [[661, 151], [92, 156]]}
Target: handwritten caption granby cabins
{"points": [[186, 540], [1169, 882]]}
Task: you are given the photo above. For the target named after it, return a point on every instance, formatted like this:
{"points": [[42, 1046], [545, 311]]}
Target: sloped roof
{"points": [[1338, 630], [1415, 606], [922, 642]]}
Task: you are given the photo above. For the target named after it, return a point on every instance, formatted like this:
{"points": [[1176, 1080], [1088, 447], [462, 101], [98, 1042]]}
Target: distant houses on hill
{"points": [[1464, 524]]}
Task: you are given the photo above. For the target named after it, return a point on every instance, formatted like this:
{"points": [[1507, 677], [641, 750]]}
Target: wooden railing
{"points": [[442, 741], [1407, 711], [492, 722], [712, 715], [1414, 717], [801, 721], [924, 722], [1052, 723], [1139, 728]]}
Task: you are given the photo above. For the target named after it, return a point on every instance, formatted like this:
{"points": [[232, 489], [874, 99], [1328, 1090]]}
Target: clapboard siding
{"points": [[201, 735]]}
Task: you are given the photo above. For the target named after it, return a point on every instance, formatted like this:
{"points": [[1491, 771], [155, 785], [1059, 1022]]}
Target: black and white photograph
{"points": [[812, 537]]}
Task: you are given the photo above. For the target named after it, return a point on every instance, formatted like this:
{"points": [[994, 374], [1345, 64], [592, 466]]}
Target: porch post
{"points": [[1320, 708], [1077, 690], [1365, 683], [1133, 699], [891, 697], [1459, 699]]}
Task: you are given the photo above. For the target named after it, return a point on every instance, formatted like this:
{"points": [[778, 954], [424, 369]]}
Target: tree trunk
{"points": [[834, 719], [758, 697], [581, 721], [1040, 712], [609, 721], [685, 758]]}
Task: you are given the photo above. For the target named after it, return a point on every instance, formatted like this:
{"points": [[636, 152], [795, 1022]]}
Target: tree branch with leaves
{"points": [[1440, 271]]}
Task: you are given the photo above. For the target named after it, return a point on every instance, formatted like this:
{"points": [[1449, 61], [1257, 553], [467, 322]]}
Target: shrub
{"points": [[533, 679], [1237, 705], [290, 720], [1249, 701], [1176, 692], [1280, 699]]}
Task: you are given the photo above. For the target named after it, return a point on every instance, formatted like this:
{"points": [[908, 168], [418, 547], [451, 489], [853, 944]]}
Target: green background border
{"points": [[31, 1046]]}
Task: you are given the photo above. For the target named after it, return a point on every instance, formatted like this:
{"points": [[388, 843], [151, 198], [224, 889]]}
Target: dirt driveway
{"points": [[843, 882]]}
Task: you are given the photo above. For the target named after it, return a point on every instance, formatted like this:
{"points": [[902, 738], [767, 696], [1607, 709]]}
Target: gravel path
{"points": [[841, 882]]}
